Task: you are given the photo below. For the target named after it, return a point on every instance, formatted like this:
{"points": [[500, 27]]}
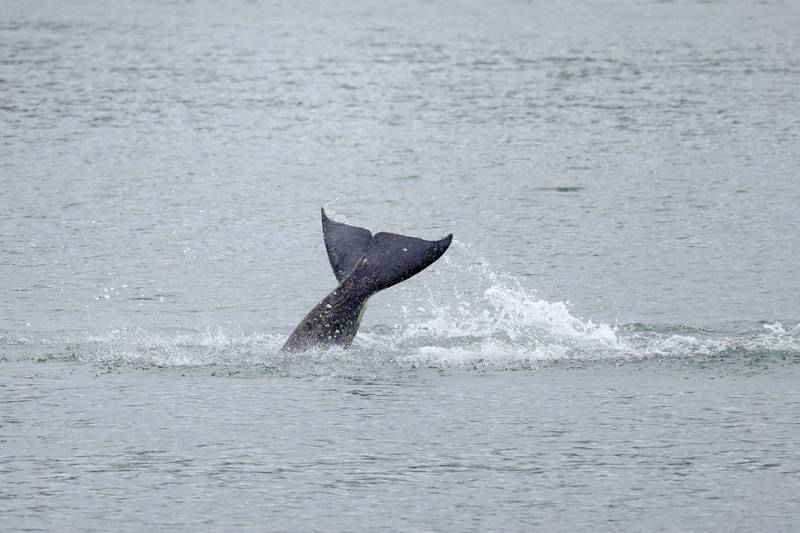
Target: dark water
{"points": [[613, 341]]}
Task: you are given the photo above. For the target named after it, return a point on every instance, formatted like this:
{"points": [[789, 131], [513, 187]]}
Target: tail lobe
{"points": [[392, 258], [345, 244]]}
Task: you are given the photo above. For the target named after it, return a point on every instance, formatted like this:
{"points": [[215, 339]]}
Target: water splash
{"points": [[475, 314], [461, 315], [470, 315]]}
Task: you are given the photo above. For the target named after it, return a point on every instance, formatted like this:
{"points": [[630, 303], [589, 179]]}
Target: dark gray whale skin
{"points": [[363, 264]]}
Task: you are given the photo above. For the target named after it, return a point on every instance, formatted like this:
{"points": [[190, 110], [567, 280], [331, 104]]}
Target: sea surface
{"points": [[612, 342]]}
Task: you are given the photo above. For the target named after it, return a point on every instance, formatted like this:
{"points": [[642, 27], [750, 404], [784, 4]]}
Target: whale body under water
{"points": [[363, 264]]}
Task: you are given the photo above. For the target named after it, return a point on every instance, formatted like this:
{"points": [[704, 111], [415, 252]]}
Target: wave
{"points": [[414, 346], [475, 319]]}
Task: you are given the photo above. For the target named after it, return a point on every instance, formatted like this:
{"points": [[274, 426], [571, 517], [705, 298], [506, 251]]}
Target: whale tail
{"points": [[364, 264], [376, 262]]}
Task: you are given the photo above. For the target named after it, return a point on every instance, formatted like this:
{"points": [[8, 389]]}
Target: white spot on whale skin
{"points": [[328, 306], [405, 249]]}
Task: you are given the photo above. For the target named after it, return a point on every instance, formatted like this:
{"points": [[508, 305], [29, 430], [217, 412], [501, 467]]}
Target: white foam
{"points": [[475, 314], [458, 316]]}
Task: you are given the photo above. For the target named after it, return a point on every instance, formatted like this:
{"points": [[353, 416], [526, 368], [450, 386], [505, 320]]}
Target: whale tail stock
{"points": [[376, 262]]}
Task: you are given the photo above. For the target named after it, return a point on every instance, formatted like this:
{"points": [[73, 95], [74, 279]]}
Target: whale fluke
{"points": [[363, 264]]}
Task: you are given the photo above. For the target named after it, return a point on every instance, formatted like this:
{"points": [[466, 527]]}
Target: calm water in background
{"points": [[611, 343]]}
